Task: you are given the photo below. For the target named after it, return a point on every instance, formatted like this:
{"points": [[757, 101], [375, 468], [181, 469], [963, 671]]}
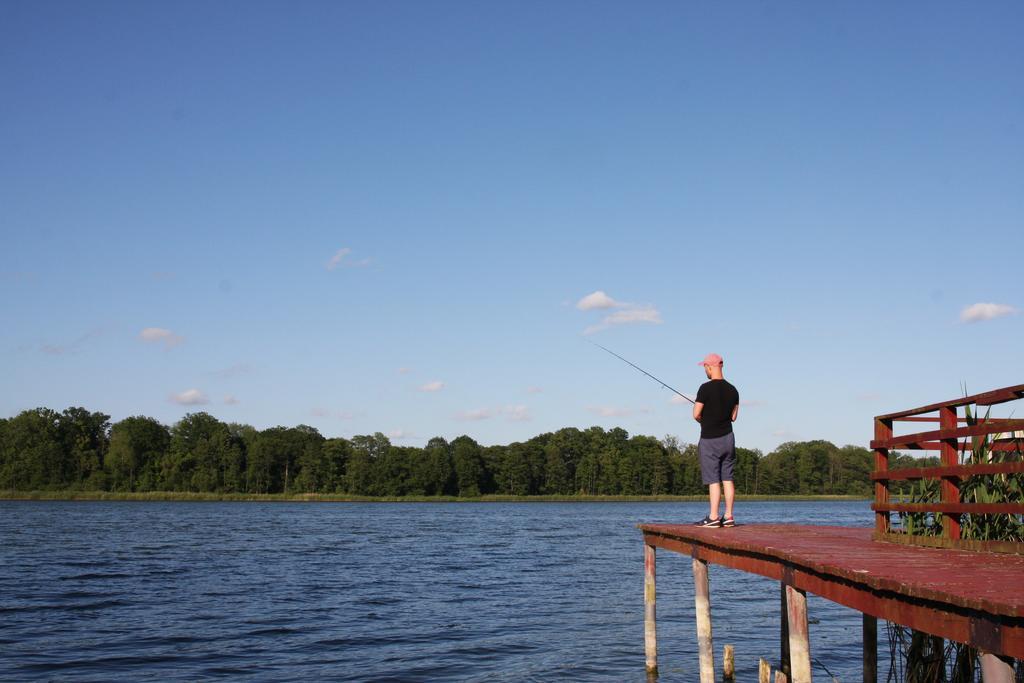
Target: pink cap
{"points": [[711, 359]]}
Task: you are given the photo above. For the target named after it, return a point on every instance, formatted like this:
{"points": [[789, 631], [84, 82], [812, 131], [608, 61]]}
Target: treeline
{"points": [[76, 449]]}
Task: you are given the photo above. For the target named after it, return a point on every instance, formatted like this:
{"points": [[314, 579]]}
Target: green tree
{"points": [[243, 436], [137, 445], [393, 471], [366, 452], [853, 471], [311, 471], [653, 469], [572, 445], [278, 456], [336, 454], [512, 473], [745, 470], [688, 480], [556, 471], [84, 438], [201, 448], [438, 470], [466, 457], [494, 468], [41, 449], [34, 455], [4, 454]]}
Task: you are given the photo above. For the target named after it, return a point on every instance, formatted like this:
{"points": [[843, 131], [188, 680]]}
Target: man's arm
{"points": [[698, 410], [735, 411]]}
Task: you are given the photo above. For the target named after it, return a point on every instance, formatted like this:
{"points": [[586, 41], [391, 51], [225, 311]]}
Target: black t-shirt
{"points": [[719, 398]]}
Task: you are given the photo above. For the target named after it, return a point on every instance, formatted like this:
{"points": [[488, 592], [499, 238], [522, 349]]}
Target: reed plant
{"points": [[918, 657], [991, 488]]}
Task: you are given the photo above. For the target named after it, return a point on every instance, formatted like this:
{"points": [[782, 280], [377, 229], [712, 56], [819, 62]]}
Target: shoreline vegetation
{"points": [[79, 454], [185, 497]]}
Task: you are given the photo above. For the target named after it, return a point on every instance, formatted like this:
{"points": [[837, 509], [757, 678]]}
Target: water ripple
{"points": [[286, 592]]}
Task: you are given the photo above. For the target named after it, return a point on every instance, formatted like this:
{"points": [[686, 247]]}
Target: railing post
{"points": [[650, 627], [883, 432], [950, 486]]}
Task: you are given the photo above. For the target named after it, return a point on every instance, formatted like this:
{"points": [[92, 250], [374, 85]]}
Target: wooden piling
{"points": [[799, 645], [781, 677], [870, 630], [783, 630], [650, 619], [764, 671], [702, 600], [728, 664]]}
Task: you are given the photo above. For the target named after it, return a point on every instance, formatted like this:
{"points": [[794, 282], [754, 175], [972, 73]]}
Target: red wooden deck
{"points": [[971, 597]]}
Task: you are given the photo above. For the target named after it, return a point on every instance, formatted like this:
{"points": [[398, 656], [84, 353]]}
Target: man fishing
{"points": [[716, 408]]}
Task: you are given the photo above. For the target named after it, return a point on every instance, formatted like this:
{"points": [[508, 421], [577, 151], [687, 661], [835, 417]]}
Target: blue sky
{"points": [[388, 216]]}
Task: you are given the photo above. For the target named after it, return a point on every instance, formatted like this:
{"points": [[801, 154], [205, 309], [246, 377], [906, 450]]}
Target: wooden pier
{"points": [[944, 585]]}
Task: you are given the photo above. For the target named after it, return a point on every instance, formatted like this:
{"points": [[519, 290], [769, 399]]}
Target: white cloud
{"points": [[534, 390], [478, 414], [337, 258], [230, 400], [190, 397], [404, 371], [517, 413], [319, 412], [514, 413], [156, 335], [637, 314], [436, 385], [627, 316], [977, 312], [597, 300], [400, 435], [623, 313], [341, 258]]}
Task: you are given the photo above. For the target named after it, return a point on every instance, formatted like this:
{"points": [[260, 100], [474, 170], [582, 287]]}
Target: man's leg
{"points": [[730, 496], [715, 493]]}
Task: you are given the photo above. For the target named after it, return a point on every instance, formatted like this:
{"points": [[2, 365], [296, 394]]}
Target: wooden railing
{"points": [[951, 473]]}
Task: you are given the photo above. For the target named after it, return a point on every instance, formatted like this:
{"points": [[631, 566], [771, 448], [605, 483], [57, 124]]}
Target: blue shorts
{"points": [[717, 457]]}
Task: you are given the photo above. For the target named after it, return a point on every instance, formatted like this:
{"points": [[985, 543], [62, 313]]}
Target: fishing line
{"points": [[643, 371]]}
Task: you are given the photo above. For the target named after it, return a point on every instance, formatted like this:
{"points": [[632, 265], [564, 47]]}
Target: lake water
{"points": [[378, 592]]}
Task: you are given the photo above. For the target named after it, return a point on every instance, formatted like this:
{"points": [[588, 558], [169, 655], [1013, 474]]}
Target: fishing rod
{"points": [[643, 371]]}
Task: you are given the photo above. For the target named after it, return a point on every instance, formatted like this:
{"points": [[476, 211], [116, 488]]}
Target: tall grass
{"points": [[919, 657]]}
